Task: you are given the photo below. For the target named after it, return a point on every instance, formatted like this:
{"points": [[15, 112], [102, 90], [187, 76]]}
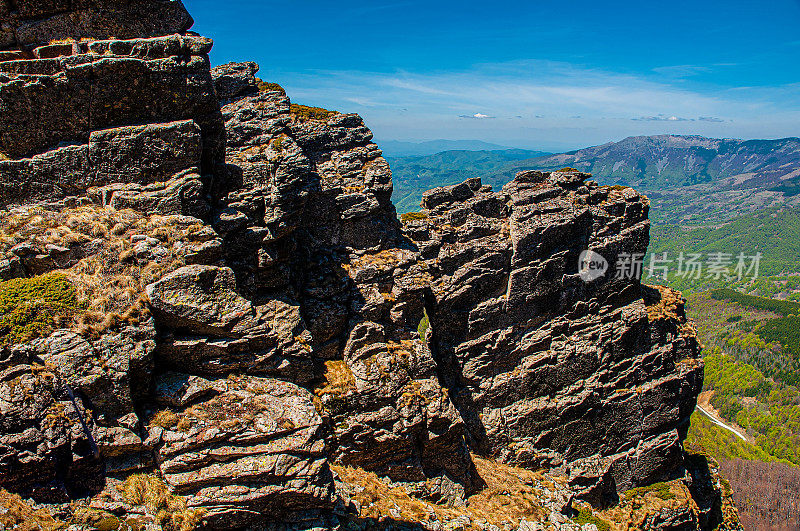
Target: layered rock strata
{"points": [[546, 367]]}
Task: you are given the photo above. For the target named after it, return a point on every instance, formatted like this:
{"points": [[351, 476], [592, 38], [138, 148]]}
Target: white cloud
{"points": [[476, 116], [547, 95]]}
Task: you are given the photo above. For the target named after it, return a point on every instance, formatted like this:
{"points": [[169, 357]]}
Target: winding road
{"points": [[721, 424]]}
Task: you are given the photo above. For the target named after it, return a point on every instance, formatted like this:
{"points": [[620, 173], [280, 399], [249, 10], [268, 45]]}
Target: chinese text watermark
{"points": [[692, 266]]}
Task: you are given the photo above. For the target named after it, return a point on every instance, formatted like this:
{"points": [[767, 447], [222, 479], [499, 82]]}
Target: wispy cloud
{"points": [[664, 118], [548, 96], [477, 116], [682, 70]]}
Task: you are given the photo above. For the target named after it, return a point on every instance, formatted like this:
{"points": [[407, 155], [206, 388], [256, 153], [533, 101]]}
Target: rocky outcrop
{"points": [[89, 107], [315, 227], [32, 25], [545, 367], [252, 311]]}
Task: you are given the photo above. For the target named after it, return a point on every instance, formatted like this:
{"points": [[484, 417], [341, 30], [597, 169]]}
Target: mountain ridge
{"points": [[688, 178]]}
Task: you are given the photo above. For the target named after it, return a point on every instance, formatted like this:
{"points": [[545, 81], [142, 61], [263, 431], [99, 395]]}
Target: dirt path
{"points": [[704, 406]]}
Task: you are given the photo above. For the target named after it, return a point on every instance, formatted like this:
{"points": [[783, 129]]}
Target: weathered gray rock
{"points": [[234, 80], [200, 299], [145, 154], [46, 434], [142, 81], [321, 191], [539, 361], [36, 22], [176, 389], [182, 195], [255, 449], [111, 372], [214, 330]]}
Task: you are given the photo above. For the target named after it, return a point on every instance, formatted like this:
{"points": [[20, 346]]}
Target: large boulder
{"points": [[254, 448]]}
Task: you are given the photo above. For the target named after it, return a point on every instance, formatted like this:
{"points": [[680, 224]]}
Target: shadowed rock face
{"points": [[289, 319]]}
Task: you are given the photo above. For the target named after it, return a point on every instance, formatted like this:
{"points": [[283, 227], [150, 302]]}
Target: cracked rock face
{"points": [[284, 318], [254, 448], [543, 366], [32, 23]]}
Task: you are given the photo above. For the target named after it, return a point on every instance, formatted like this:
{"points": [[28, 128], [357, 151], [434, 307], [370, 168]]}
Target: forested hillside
{"points": [[689, 179], [414, 175]]}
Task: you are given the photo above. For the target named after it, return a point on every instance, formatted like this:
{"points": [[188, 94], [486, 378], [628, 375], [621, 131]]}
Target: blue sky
{"points": [[539, 74]]}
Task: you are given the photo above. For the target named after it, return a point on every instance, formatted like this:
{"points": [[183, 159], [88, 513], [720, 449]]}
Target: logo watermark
{"points": [[693, 266], [591, 266]]}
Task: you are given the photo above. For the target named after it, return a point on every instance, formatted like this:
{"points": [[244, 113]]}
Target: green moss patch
{"points": [[422, 328], [585, 516], [35, 307], [659, 490]]}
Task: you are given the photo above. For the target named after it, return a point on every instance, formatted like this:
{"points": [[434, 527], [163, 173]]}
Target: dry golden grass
{"points": [[20, 516], [637, 504], [339, 379], [265, 86], [663, 305], [511, 494], [164, 419], [109, 280], [382, 260], [304, 113], [507, 497], [171, 511], [667, 304]]}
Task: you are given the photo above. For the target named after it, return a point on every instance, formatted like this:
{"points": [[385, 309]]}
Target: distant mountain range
{"points": [[414, 175], [396, 148], [690, 179]]}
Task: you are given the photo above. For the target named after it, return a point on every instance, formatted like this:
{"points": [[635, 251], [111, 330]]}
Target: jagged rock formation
{"points": [[545, 367], [220, 295]]}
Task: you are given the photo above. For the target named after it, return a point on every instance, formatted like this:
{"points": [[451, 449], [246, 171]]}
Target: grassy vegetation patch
{"points": [[170, 511], [422, 328], [35, 307], [109, 275], [413, 216], [508, 495], [660, 490], [18, 515], [339, 379], [164, 419], [305, 113], [585, 516], [265, 86]]}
